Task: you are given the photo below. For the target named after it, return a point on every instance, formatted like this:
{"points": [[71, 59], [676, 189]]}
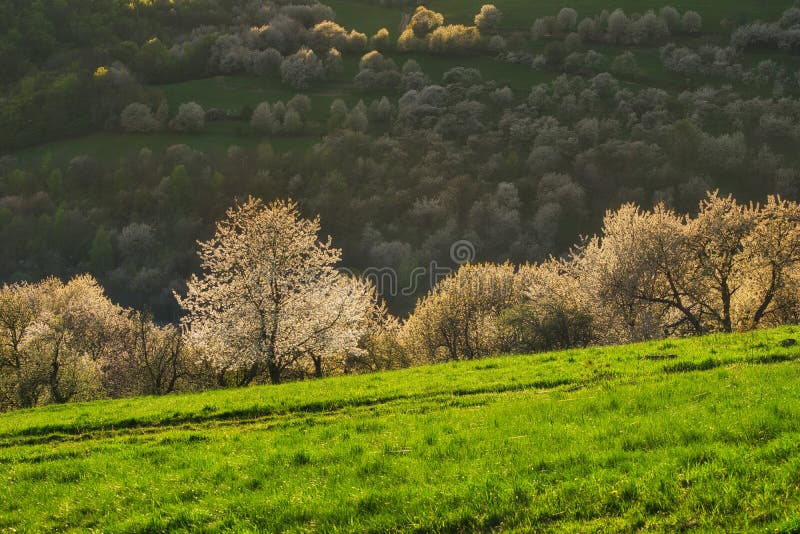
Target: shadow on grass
{"points": [[686, 367], [60, 432]]}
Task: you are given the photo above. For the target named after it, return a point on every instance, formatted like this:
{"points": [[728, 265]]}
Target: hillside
{"points": [[691, 434], [232, 91], [515, 131]]}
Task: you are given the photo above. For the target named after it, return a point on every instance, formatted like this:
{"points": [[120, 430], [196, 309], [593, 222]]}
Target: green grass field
{"points": [[695, 434], [110, 146]]}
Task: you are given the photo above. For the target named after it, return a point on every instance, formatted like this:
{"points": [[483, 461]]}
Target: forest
{"points": [[621, 173]]}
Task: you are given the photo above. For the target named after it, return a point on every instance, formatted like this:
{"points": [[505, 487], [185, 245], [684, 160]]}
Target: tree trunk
{"points": [[221, 378], [768, 297], [173, 376], [727, 325], [58, 398], [274, 372], [317, 365], [250, 374], [26, 395]]}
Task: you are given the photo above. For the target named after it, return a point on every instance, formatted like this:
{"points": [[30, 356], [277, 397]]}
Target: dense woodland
{"points": [[399, 162]]}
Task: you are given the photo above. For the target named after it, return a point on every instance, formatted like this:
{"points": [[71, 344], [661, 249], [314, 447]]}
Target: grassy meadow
{"points": [[695, 434]]}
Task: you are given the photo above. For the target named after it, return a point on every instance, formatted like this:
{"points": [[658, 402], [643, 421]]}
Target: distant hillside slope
{"points": [[671, 435], [520, 14]]}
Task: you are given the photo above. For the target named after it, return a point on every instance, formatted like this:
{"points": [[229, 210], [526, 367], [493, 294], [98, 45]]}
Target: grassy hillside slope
{"points": [[679, 434]]}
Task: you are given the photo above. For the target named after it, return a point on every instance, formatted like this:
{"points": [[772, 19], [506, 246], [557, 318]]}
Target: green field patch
{"points": [[504, 443], [111, 146]]}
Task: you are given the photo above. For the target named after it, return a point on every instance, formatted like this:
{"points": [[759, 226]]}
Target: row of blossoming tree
{"points": [[270, 304], [649, 274]]}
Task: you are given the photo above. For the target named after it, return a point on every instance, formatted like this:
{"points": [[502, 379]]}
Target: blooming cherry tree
{"points": [[270, 294]]}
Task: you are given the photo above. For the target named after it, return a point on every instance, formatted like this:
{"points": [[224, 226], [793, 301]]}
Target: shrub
{"points": [[488, 18], [617, 25], [567, 19], [328, 34], [625, 65], [544, 27], [190, 118], [692, 22], [377, 73], [648, 28], [381, 41], [262, 119], [333, 63], [555, 313], [356, 41], [301, 69], [573, 42], [137, 117], [454, 39], [424, 21], [587, 29], [671, 18], [497, 43]]}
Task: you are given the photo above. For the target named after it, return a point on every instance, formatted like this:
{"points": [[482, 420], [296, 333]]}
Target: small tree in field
{"points": [[149, 360], [567, 19], [692, 22], [52, 336], [617, 25], [381, 41], [137, 117], [302, 68], [20, 384], [488, 18], [556, 312], [332, 63], [459, 318], [263, 119], [270, 294], [671, 17], [424, 21], [625, 65], [190, 118], [328, 34]]}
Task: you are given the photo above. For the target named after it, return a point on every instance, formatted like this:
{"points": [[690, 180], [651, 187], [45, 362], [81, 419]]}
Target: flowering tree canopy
{"points": [[270, 293]]}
